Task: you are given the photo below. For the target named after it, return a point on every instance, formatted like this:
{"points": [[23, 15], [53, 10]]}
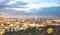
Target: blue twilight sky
{"points": [[40, 8]]}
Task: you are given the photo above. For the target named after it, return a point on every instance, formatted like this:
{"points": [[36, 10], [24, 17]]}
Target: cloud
{"points": [[13, 2], [48, 11], [25, 7], [2, 6]]}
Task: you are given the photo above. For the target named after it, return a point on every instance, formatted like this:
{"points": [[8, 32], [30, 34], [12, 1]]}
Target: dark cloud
{"points": [[3, 3], [19, 4], [45, 12], [48, 11], [22, 3], [2, 6]]}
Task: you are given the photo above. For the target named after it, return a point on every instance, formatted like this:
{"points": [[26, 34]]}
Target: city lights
{"points": [[16, 24]]}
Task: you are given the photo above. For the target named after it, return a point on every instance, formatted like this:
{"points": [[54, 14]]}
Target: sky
{"points": [[40, 8]]}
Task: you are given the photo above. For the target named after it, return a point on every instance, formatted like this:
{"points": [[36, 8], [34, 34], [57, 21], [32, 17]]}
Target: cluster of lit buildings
{"points": [[15, 24]]}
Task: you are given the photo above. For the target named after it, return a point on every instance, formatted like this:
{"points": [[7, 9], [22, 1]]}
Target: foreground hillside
{"points": [[36, 31]]}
